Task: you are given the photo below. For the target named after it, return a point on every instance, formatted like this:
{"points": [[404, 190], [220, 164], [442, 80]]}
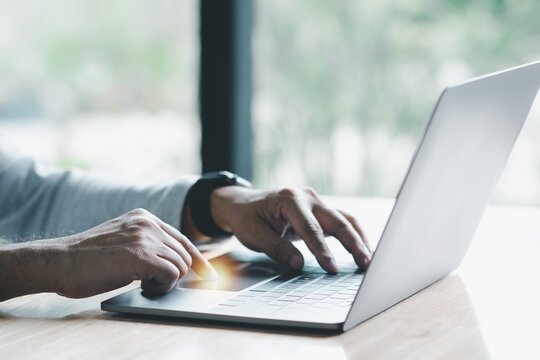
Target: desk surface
{"points": [[487, 308]]}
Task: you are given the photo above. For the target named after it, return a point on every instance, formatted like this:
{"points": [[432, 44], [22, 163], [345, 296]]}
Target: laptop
{"points": [[441, 201]]}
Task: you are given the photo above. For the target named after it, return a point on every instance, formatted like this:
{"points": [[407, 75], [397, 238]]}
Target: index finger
{"points": [[200, 265], [336, 224]]}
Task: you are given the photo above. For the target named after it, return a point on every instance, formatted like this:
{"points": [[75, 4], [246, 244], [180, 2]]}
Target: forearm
{"points": [[28, 268], [41, 202], [85, 200]]}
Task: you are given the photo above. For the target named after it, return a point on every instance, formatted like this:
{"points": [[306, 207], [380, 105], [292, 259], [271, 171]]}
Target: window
{"points": [[343, 90], [103, 85]]}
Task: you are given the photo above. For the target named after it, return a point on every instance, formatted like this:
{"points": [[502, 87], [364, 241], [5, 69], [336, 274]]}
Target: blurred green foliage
{"points": [[373, 67], [323, 69], [106, 55]]}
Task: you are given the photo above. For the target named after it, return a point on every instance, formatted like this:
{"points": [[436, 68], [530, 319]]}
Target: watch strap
{"points": [[198, 199]]}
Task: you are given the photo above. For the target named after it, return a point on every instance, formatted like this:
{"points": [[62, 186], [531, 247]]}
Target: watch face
{"points": [[220, 175], [228, 177]]}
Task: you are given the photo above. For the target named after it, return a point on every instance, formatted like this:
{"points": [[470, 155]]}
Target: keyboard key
{"points": [[309, 276], [324, 292], [336, 287], [277, 303], [251, 305], [307, 301], [347, 292], [289, 298], [335, 276], [269, 285], [292, 292], [271, 294], [245, 296], [324, 282], [332, 301], [310, 288], [290, 286], [312, 270]]}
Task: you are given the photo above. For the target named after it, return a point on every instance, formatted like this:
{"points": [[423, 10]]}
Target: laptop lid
{"points": [[447, 187]]}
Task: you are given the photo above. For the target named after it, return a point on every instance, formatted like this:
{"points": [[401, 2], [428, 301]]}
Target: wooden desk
{"points": [[487, 308]]}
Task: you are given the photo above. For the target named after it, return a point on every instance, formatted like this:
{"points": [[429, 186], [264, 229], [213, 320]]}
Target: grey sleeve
{"points": [[38, 201]]}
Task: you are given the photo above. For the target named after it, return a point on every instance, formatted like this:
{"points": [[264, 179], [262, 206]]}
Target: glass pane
{"points": [[104, 85], [344, 89]]}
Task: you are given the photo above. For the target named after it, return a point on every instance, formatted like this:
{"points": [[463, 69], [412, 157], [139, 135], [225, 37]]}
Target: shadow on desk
{"points": [[438, 322]]}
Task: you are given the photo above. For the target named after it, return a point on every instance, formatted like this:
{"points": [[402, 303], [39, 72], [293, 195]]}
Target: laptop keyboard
{"points": [[312, 290]]}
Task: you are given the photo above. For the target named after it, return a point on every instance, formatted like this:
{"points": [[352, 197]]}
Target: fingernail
{"points": [[296, 262], [366, 263]]}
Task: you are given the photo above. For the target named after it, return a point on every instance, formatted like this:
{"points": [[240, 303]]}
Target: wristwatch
{"points": [[198, 199]]}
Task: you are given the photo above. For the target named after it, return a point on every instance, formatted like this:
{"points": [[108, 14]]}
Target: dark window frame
{"points": [[225, 86]]}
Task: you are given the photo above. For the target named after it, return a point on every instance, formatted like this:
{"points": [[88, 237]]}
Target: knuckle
{"points": [[185, 242], [143, 222], [138, 212], [353, 220], [312, 229], [310, 191], [140, 222], [342, 227], [141, 253], [189, 260], [174, 273], [288, 192], [137, 237], [182, 270]]}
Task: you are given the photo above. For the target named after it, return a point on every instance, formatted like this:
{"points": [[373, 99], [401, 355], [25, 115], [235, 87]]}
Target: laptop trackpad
{"points": [[236, 270]]}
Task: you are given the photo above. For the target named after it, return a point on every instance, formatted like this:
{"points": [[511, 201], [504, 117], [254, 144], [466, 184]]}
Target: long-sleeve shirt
{"points": [[39, 201]]}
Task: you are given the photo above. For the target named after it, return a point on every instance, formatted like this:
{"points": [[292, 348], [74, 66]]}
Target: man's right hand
{"points": [[134, 246]]}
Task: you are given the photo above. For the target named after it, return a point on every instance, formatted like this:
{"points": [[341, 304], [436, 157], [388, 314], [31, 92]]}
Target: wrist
{"points": [[199, 199], [28, 268], [221, 200]]}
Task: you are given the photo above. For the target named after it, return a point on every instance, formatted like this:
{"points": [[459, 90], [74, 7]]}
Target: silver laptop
{"points": [[447, 187]]}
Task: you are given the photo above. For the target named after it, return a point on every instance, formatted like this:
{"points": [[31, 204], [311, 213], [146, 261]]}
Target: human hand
{"points": [[134, 246], [267, 220]]}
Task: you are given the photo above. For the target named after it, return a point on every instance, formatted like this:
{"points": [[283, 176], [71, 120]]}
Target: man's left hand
{"points": [[267, 221]]}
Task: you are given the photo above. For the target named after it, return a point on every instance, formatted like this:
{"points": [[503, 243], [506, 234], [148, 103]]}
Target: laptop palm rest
{"points": [[237, 270]]}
